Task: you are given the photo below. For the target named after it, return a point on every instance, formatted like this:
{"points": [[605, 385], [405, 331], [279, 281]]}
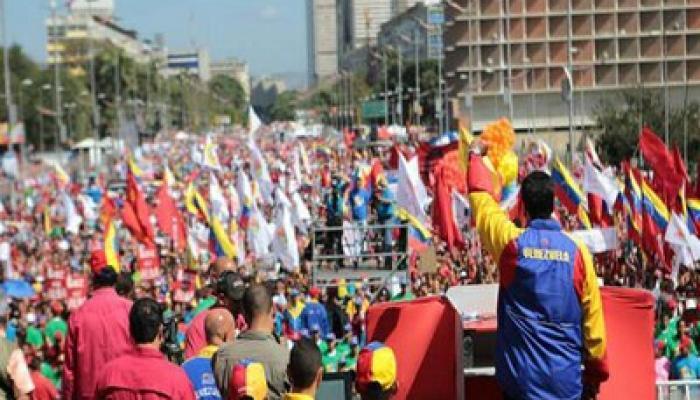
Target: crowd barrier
{"points": [[678, 390]]}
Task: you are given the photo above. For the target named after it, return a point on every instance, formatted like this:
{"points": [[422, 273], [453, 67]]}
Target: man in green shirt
{"points": [[56, 324], [350, 360], [331, 358], [343, 346]]}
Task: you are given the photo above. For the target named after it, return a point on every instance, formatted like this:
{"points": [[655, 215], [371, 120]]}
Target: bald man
{"points": [[227, 294], [219, 328]]}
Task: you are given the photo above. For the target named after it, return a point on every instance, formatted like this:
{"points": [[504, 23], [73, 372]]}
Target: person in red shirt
{"points": [[43, 388], [98, 332], [229, 288], [144, 373]]}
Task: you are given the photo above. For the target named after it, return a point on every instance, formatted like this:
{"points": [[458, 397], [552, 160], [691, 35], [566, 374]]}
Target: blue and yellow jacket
{"points": [[550, 315]]}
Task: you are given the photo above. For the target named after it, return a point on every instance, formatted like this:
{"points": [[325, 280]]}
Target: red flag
{"points": [[131, 222], [136, 199], [679, 164], [662, 162], [598, 212], [443, 219], [169, 218]]}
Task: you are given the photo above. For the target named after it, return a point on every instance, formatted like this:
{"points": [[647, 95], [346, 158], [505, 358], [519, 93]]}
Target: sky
{"points": [[269, 34]]}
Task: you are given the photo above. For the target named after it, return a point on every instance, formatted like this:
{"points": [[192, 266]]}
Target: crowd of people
{"points": [[234, 303]]}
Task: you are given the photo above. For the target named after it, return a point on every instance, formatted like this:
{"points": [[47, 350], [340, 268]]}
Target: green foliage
{"points": [[284, 107], [620, 120]]}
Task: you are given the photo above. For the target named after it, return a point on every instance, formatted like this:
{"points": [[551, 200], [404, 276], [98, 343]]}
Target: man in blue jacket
{"points": [[314, 313]]}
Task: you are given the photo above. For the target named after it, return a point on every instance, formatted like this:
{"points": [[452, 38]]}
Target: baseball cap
{"points": [[304, 332], [231, 285], [315, 292], [330, 337], [248, 380], [315, 328], [347, 327], [376, 363], [98, 260]]}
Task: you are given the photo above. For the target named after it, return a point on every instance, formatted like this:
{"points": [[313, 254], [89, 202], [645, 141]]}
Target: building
{"points": [[100, 8], [509, 57], [236, 69], [405, 31], [400, 6], [190, 62], [321, 40], [359, 23], [265, 91], [67, 37]]}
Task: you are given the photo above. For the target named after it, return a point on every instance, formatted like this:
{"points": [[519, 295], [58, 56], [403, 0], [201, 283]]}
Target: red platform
{"points": [[426, 335]]}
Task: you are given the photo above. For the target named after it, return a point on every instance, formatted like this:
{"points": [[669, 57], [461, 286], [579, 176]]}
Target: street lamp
{"points": [[25, 83]]}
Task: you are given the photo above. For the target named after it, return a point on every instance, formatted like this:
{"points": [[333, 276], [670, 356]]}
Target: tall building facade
{"points": [[193, 63], [322, 40], [68, 35], [359, 23], [511, 55]]}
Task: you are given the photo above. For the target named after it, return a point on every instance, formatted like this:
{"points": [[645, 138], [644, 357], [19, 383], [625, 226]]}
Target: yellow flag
{"points": [[465, 140], [47, 220], [111, 253]]}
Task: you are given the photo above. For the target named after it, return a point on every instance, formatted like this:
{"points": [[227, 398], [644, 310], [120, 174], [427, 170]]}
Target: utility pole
{"points": [[399, 104], [93, 86], [416, 107], [60, 128], [11, 107], [386, 88], [569, 76]]}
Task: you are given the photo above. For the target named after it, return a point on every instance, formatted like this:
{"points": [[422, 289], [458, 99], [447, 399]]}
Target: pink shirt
{"points": [[143, 374], [98, 332], [662, 367]]}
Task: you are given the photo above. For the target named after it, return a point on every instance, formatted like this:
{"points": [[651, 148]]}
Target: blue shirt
{"points": [[686, 368], [201, 374], [314, 314], [386, 207], [359, 199]]}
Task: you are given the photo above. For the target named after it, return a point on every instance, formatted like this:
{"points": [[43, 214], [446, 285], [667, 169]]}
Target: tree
{"points": [[284, 107], [621, 118], [231, 96]]}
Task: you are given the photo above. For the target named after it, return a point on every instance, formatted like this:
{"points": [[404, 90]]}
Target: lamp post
{"points": [[44, 88], [25, 84]]}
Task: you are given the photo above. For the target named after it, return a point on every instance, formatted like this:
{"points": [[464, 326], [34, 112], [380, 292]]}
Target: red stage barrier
{"points": [[426, 335]]}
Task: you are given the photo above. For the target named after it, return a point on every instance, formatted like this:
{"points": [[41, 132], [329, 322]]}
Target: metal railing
{"points": [[678, 390]]}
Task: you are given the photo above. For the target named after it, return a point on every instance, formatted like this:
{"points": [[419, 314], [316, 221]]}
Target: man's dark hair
{"points": [[107, 277], [304, 363], [257, 301], [374, 391], [537, 192], [145, 320], [125, 284]]}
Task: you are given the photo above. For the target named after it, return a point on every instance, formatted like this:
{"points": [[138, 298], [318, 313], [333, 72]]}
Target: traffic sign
{"points": [[373, 109]]}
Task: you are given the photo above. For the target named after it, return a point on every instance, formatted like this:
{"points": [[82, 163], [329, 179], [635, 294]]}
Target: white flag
{"points": [[412, 195], [259, 234], [260, 172], [253, 121], [677, 234], [460, 210], [73, 220], [300, 215], [598, 240], [284, 243], [219, 205], [596, 182], [89, 207]]}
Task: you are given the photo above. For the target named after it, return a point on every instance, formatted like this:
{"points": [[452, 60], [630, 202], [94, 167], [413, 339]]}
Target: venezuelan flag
{"points": [[567, 190], [633, 204], [693, 206], [419, 236], [134, 167], [222, 244], [194, 202], [654, 207], [323, 151]]}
